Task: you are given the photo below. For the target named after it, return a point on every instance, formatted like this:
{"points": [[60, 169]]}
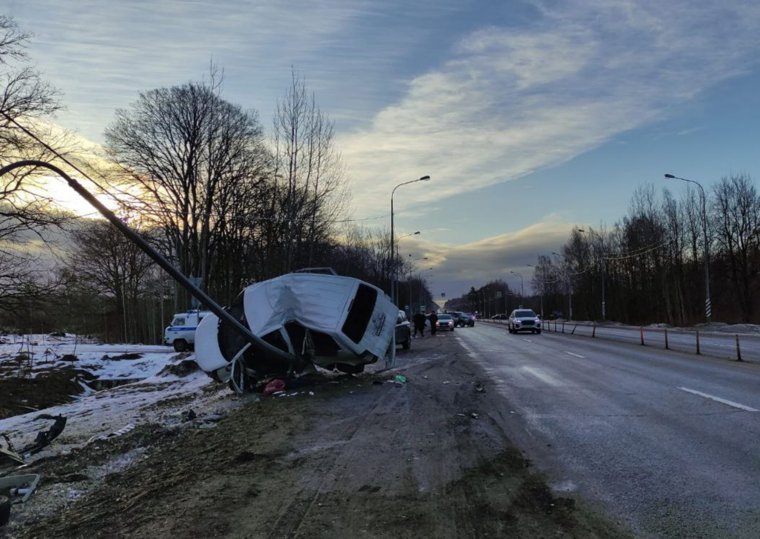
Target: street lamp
{"points": [[392, 252], [542, 279], [708, 303], [411, 268], [568, 283], [522, 295]]}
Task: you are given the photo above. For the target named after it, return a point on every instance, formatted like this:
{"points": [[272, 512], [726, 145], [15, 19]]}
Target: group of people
{"points": [[418, 321]]}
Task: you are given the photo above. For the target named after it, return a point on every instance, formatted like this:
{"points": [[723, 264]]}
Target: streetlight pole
{"points": [[138, 240], [411, 268], [568, 284], [522, 295], [542, 280], [392, 252], [708, 303]]}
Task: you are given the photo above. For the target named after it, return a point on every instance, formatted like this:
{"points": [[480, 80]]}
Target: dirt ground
{"points": [[371, 455]]}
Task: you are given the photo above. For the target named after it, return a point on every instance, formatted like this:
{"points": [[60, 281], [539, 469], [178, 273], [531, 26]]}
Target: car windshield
{"points": [[525, 314], [444, 317]]}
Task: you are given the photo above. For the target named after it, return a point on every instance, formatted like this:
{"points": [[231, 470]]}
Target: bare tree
{"points": [[115, 267], [186, 147], [736, 214], [309, 187], [23, 96]]}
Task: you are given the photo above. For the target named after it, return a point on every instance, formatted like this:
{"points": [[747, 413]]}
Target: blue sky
{"points": [[531, 117]]}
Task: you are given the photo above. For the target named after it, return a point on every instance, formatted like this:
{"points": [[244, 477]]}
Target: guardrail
{"points": [[724, 345]]}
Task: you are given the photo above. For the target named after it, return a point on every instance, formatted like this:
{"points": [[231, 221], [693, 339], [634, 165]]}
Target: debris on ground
{"points": [[43, 439], [18, 487], [274, 387], [129, 355]]}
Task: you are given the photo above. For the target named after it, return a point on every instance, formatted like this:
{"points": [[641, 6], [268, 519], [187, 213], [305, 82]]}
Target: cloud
{"points": [[458, 267], [511, 100]]}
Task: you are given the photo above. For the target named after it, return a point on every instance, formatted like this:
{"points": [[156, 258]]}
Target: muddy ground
{"points": [[370, 455]]}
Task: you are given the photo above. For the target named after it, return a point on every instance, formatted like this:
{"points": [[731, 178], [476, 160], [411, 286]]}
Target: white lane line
{"points": [[543, 376], [718, 399], [470, 351], [575, 355]]}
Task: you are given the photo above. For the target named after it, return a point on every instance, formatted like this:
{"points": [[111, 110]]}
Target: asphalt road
{"points": [[666, 442]]}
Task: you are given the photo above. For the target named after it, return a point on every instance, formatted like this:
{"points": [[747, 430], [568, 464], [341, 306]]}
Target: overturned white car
{"points": [[304, 319]]}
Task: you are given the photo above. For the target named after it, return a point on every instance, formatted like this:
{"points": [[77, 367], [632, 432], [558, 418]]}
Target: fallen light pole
{"points": [[199, 294]]}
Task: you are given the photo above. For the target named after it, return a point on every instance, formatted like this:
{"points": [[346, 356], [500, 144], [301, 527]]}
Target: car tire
{"points": [[180, 345], [538, 331]]}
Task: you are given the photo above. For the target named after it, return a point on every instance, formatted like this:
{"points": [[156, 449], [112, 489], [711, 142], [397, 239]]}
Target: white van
{"points": [[181, 332]]}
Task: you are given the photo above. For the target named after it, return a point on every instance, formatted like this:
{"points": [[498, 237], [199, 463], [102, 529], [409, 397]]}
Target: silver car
{"points": [[524, 320]]}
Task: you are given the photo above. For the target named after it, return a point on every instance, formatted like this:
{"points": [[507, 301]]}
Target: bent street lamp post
{"points": [[708, 303], [205, 299], [392, 252]]}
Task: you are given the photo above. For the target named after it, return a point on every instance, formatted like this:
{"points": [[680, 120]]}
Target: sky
{"points": [[531, 117]]}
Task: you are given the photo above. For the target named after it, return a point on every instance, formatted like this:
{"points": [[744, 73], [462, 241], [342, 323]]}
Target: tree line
{"points": [[198, 178], [653, 264]]}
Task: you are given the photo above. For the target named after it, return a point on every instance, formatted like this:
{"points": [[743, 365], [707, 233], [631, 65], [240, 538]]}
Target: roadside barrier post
{"points": [[666, 340], [641, 334], [738, 350], [593, 331], [697, 342]]}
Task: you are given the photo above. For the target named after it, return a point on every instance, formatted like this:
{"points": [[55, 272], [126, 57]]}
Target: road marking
{"points": [[718, 399], [575, 355], [470, 351], [543, 376]]}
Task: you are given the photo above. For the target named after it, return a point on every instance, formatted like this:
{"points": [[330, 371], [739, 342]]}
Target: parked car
{"points": [[445, 322], [524, 320], [403, 331], [181, 332], [469, 319]]}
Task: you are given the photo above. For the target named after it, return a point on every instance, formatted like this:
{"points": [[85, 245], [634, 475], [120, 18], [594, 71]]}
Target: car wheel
{"points": [[180, 345], [538, 331]]}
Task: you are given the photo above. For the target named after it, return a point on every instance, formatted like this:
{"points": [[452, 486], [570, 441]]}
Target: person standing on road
{"points": [[433, 319], [419, 324]]}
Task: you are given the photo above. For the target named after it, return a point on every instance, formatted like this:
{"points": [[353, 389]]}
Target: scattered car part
{"points": [[44, 438], [21, 486]]}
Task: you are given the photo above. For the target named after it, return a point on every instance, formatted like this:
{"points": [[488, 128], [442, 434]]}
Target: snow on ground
{"points": [[147, 395]]}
